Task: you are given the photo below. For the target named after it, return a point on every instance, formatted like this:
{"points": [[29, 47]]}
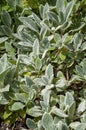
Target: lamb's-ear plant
{"points": [[43, 74]]}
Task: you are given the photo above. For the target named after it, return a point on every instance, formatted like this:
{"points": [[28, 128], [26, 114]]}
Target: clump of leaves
{"points": [[46, 82]]}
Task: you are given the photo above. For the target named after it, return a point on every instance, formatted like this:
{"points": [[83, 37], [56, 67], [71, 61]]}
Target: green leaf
{"points": [[38, 64], [83, 120], [30, 123], [62, 126], [5, 89], [60, 5], [6, 114], [81, 126], [45, 11], [25, 44], [82, 107], [6, 30], [12, 3], [3, 74], [41, 10], [25, 36], [39, 124], [62, 56], [21, 97], [3, 63], [84, 66], [47, 121], [61, 102], [3, 100], [28, 22], [25, 89], [83, 46], [25, 59], [69, 9], [53, 17], [46, 97], [74, 125], [5, 17], [43, 32], [77, 41], [3, 39], [17, 106], [71, 110], [37, 19], [36, 48], [57, 38], [4, 66], [34, 111], [58, 112], [29, 82], [61, 16], [32, 94], [79, 70], [61, 83], [9, 76], [49, 72], [10, 50], [69, 99]]}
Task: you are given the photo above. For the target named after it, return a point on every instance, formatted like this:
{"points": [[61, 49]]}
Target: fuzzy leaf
{"points": [[47, 121], [81, 126], [82, 107], [30, 123], [68, 99], [17, 106], [58, 112], [5, 17], [36, 47]]}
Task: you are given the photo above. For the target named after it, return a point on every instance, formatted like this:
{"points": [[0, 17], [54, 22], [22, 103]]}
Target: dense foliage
{"points": [[43, 65], [34, 4]]}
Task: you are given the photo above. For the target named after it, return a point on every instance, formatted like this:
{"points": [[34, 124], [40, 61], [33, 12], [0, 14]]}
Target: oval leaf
{"points": [[58, 112], [17, 106], [47, 121]]}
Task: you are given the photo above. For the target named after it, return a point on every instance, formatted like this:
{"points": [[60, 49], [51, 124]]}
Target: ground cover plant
{"points": [[43, 66]]}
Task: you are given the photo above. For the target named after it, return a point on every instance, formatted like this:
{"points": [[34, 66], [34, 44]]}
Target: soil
{"points": [[19, 125]]}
